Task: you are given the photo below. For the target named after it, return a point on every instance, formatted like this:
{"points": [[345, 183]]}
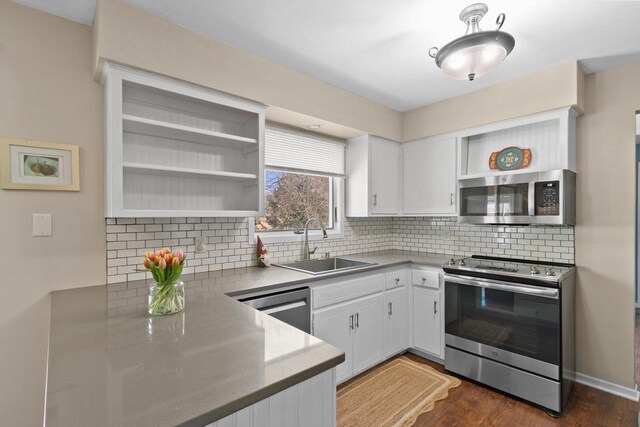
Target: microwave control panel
{"points": [[547, 198]]}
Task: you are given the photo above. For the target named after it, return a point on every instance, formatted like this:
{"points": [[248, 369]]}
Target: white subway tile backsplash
{"points": [[128, 239]]}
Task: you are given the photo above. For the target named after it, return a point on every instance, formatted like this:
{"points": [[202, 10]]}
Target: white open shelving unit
{"points": [[550, 135], [175, 149]]}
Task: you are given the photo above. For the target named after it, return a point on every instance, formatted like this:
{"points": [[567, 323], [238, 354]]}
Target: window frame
{"points": [[337, 191]]}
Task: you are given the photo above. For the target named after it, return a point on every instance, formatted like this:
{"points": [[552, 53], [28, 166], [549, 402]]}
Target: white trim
{"points": [[606, 386]]}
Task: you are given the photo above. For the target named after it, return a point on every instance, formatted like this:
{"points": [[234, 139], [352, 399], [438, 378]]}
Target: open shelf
{"points": [[173, 171], [174, 131], [175, 149]]}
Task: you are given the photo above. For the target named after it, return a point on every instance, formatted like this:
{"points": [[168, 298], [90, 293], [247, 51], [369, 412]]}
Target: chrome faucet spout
{"points": [[306, 252]]}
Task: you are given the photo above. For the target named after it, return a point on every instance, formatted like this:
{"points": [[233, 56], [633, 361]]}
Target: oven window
{"points": [[478, 201], [514, 199], [523, 324]]}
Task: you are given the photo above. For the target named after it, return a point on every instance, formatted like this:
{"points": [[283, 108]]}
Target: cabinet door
{"points": [[336, 326], [368, 344], [426, 320], [396, 312], [430, 177], [384, 158]]}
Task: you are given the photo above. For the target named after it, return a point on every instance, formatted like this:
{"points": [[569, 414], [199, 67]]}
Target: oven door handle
{"points": [[502, 286]]}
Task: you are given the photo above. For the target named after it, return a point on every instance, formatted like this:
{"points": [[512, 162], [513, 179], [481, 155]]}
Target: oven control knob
{"points": [[550, 272], [534, 270], [461, 263], [452, 262]]}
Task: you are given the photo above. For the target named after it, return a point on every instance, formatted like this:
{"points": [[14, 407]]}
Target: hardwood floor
{"points": [[471, 404]]}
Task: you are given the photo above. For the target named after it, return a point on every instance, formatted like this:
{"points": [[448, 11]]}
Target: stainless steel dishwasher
{"points": [[291, 306]]}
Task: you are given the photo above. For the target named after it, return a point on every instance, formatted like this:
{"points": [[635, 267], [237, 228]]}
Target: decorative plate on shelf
{"points": [[510, 158]]}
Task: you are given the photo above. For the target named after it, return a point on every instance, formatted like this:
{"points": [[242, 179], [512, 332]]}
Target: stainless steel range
{"points": [[509, 324]]}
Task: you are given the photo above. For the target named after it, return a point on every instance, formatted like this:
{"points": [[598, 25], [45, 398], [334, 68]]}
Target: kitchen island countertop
{"points": [[112, 364]]}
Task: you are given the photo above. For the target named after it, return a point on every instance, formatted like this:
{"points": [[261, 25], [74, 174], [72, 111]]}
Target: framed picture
{"points": [[36, 165]]}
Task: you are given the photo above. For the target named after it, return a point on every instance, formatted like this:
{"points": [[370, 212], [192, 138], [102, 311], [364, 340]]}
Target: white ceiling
{"points": [[378, 48]]}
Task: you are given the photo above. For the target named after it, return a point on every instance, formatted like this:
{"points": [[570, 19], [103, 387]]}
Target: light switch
{"points": [[41, 225]]}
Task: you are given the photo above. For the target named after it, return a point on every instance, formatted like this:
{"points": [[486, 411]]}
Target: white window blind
{"points": [[299, 152]]}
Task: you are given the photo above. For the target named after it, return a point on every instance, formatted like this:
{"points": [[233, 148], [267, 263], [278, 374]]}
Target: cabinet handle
{"points": [[351, 322], [357, 320], [375, 200], [435, 307], [453, 198], [390, 309]]}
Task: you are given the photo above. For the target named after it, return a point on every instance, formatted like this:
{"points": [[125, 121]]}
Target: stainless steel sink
{"points": [[325, 265]]}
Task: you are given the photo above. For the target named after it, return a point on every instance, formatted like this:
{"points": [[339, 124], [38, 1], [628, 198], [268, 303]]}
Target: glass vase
{"points": [[166, 298]]}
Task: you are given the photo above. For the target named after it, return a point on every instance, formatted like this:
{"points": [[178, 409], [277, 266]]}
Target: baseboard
{"points": [[426, 356], [618, 390]]}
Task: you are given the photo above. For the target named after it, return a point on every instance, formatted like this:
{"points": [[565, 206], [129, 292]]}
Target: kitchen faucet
{"points": [[306, 252]]}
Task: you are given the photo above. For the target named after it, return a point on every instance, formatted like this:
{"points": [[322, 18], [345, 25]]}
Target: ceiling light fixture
{"points": [[477, 52]]}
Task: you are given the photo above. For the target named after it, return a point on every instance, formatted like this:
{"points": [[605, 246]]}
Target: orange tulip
{"points": [[147, 263], [162, 264], [175, 262], [167, 258]]}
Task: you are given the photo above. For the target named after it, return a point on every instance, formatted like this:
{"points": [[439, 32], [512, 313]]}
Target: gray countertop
{"points": [[112, 364]]}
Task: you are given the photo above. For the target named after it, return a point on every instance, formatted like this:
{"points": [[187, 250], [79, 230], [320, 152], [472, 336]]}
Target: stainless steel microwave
{"points": [[523, 198]]}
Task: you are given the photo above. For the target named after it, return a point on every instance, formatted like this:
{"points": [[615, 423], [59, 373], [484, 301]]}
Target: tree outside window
{"points": [[293, 198]]}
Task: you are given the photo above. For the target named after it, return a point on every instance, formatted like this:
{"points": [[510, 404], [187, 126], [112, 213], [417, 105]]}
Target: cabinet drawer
{"points": [[429, 279], [396, 279], [326, 295]]}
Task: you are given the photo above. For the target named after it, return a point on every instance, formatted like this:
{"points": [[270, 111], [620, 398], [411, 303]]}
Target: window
{"points": [[292, 198], [304, 176]]}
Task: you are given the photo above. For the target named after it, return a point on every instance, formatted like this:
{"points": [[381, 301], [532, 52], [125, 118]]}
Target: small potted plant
{"points": [[166, 295]]}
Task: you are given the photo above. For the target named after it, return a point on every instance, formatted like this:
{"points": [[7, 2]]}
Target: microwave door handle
{"points": [[532, 199], [503, 286]]}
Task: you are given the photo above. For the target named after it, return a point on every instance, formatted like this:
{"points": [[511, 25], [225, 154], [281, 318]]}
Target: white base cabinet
{"points": [[355, 328], [428, 325], [397, 324], [335, 326], [309, 403], [372, 317]]}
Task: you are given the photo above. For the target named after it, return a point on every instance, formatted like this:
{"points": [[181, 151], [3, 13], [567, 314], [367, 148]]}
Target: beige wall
{"points": [[129, 36], [545, 90], [48, 93], [46, 75], [605, 224]]}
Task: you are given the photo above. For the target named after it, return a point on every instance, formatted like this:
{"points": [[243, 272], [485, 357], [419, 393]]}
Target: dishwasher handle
{"points": [[279, 301], [283, 307]]}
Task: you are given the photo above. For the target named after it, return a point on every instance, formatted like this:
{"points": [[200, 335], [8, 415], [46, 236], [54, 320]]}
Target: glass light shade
{"points": [[475, 54]]}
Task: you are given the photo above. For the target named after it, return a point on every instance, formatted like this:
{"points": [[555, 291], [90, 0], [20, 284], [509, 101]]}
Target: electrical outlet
{"points": [[201, 244]]}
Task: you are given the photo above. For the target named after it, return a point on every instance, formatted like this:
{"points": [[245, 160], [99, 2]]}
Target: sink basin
{"points": [[325, 265]]}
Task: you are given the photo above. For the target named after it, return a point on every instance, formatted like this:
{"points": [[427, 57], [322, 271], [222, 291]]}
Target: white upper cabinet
{"points": [[373, 177], [430, 177], [175, 149]]}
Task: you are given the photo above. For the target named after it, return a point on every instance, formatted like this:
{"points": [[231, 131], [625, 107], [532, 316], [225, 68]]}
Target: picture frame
{"points": [[39, 165]]}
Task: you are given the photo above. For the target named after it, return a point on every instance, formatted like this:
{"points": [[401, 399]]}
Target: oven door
{"points": [[515, 324]]}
